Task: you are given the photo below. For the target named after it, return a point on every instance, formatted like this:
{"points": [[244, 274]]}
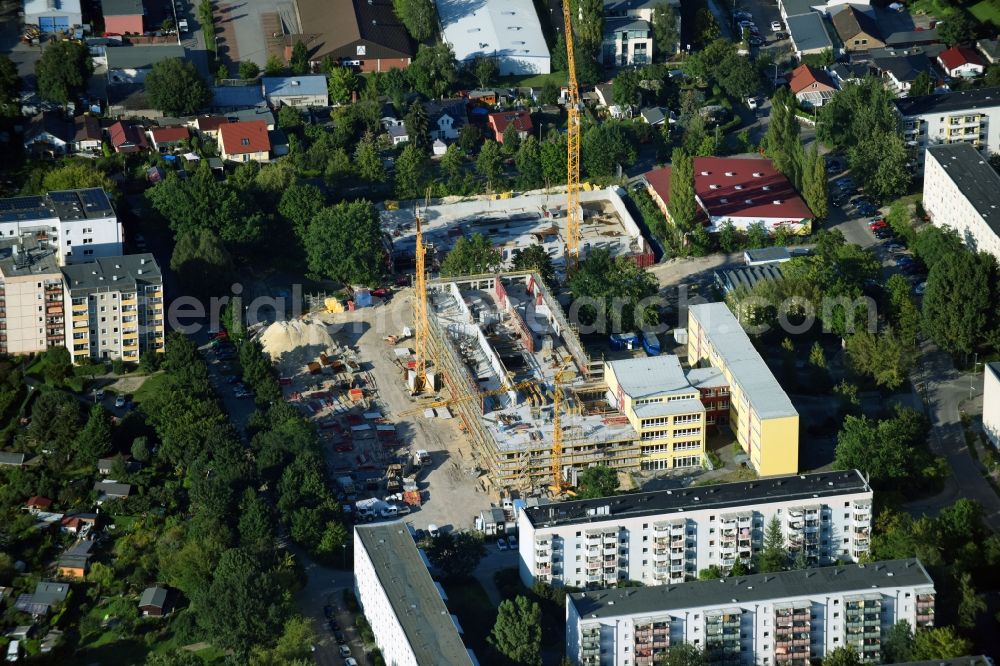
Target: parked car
{"points": [[921, 288], [501, 544], [894, 248], [775, 26], [182, 24], [120, 401], [512, 542], [99, 395], [345, 651], [752, 103], [350, 661], [877, 224], [340, 638], [433, 530], [755, 41]]}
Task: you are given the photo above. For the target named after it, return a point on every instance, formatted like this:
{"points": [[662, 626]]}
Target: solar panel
{"points": [[95, 199], [68, 196]]}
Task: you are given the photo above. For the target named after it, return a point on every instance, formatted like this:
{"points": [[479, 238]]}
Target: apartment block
{"points": [[668, 536], [962, 192], [663, 408], [991, 402], [761, 416], [116, 308], [967, 116], [32, 314], [81, 223], [788, 618], [402, 603]]}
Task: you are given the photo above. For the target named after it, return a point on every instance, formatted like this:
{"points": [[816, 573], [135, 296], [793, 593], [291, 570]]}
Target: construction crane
{"points": [[470, 396], [421, 326], [572, 150], [559, 486]]}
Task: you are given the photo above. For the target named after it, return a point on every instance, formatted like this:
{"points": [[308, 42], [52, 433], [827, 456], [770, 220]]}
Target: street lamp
{"points": [[343, 556]]}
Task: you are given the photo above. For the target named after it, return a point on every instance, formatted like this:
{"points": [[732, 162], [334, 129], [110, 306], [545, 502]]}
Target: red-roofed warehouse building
{"points": [[741, 191], [244, 142], [961, 61], [499, 121]]}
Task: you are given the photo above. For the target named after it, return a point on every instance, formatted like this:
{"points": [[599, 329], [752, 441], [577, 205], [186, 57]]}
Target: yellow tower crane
{"points": [[559, 486], [421, 327], [572, 150]]}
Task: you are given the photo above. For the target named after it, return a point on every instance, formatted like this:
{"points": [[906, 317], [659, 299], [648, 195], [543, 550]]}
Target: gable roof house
{"points": [[209, 125], [87, 135], [990, 48], [38, 503], [13, 459], [126, 137], [110, 490], [47, 595], [499, 121], [75, 562], [78, 523], [961, 61], [301, 92], [166, 139], [365, 34], [808, 34], [49, 134], [446, 118], [844, 73], [811, 86], [857, 30], [244, 141], [398, 134], [153, 602], [902, 70]]}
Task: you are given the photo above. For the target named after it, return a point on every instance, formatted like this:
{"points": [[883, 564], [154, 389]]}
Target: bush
{"points": [[119, 367]]}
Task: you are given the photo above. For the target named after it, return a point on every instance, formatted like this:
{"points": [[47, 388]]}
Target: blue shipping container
{"points": [[651, 344], [621, 341]]}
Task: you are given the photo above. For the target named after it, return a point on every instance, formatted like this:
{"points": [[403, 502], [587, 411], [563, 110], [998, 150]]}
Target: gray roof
{"points": [[48, 592], [285, 86], [255, 113], [456, 108], [121, 7], [848, 71], [12, 458], [125, 273], [808, 32], [236, 97], [153, 596], [612, 7], [650, 375], [810, 488], [909, 37], [26, 604], [768, 254], [747, 367], [964, 100], [415, 599], [65, 205], [78, 555], [974, 178], [747, 276], [613, 24], [740, 590], [111, 488], [141, 57], [707, 377], [905, 68], [796, 7], [990, 48], [654, 115]]}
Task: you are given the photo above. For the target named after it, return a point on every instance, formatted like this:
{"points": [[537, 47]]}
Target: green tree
{"points": [[957, 301], [471, 256], [412, 171], [626, 91], [367, 160], [517, 633], [886, 357], [453, 164], [299, 204], [597, 481], [706, 27], [553, 156], [289, 117], [63, 70], [903, 311], [201, 261], [682, 206], [528, 161], [885, 449], [58, 366], [418, 128], [666, 32], [605, 147], [10, 87], [256, 524], [683, 654], [589, 27], [897, 643], [95, 438], [535, 258], [814, 183], [958, 28], [489, 164], [469, 138], [713, 572], [434, 70], [934, 643], [613, 294], [935, 244], [511, 139], [729, 237], [970, 604], [782, 142], [78, 174], [773, 557], [842, 656], [418, 17], [345, 243], [295, 643], [175, 87], [456, 554], [549, 94], [922, 85], [484, 70], [299, 62], [274, 66], [342, 83], [757, 235], [140, 449], [248, 70]]}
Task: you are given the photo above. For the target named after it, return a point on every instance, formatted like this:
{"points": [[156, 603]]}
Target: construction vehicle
{"points": [[572, 149]]}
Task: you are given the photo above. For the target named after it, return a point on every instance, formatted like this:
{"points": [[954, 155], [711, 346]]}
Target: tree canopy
{"points": [[888, 450], [597, 481], [418, 16], [63, 70], [471, 256], [456, 554], [10, 87], [175, 87], [958, 301], [613, 294], [517, 633], [345, 243], [535, 258]]}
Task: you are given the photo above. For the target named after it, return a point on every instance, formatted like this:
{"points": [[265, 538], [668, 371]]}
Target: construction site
{"points": [[517, 222]]}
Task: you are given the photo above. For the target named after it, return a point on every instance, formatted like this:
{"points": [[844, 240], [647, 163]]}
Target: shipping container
{"points": [[651, 344]]}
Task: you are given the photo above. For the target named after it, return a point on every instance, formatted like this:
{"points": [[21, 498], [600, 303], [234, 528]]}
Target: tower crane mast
{"points": [[572, 150]]}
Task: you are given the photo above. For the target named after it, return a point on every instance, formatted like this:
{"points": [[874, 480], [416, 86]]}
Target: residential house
{"points": [[365, 35], [844, 73], [153, 602], [483, 97], [398, 134], [901, 71], [168, 139], [279, 141], [961, 61], [655, 115], [439, 147], [208, 126], [808, 34], [31, 276], [643, 10], [53, 15], [990, 48], [446, 118], [506, 30], [48, 594], [233, 98], [962, 193], [246, 141], [37, 503], [858, 30], [111, 490], [131, 64], [261, 113], [49, 134], [105, 465], [78, 523], [627, 41], [811, 86], [87, 136], [499, 121], [126, 137], [605, 93], [389, 116], [971, 116], [75, 562], [991, 402], [904, 39], [13, 459], [123, 17], [300, 92]]}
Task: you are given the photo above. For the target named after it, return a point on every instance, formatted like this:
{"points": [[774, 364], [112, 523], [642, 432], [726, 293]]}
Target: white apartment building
{"points": [[991, 402], [401, 602], [116, 307], [668, 536], [968, 116], [32, 314], [82, 223], [791, 617], [962, 192]]}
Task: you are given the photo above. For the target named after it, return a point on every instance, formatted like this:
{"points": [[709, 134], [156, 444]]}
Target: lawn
{"points": [[536, 81], [986, 11], [153, 385]]}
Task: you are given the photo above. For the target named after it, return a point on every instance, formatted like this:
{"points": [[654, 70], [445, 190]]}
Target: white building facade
{"points": [[991, 402], [967, 116], [790, 617], [506, 30], [962, 192], [667, 537]]}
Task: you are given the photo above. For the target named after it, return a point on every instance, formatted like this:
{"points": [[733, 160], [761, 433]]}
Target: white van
{"points": [[14, 651], [390, 511]]}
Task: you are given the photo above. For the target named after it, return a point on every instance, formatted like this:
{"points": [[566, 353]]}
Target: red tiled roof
{"points": [[39, 502], [804, 76], [124, 133], [211, 123], [736, 182], [501, 119], [244, 137], [169, 134], [957, 56]]}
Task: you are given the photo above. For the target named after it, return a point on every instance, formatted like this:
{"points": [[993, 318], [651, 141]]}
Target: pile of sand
{"points": [[293, 344]]}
